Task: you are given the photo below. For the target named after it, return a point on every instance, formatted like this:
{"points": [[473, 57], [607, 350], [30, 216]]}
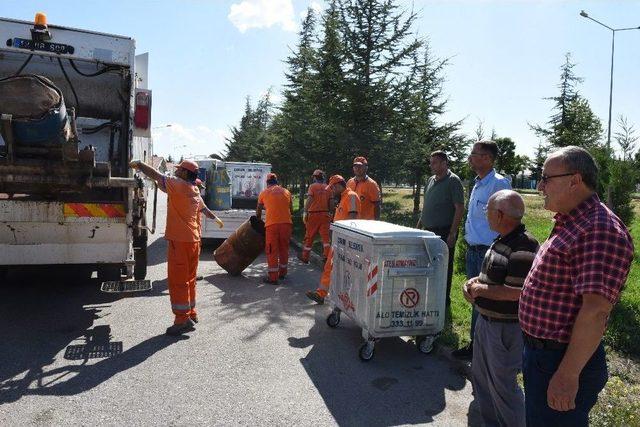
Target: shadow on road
{"points": [[246, 296], [45, 312], [399, 386]]}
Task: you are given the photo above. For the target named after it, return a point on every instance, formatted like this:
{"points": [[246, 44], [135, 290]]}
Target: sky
{"points": [[207, 56]]}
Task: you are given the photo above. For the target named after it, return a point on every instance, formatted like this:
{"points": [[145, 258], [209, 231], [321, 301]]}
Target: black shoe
{"points": [[269, 282], [304, 261], [282, 277], [464, 353], [181, 328], [195, 319], [313, 295], [199, 277]]}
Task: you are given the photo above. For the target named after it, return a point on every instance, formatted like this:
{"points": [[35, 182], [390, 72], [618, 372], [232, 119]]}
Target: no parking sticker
{"points": [[409, 298]]}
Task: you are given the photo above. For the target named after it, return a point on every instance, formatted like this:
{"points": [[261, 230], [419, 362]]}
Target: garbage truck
{"points": [[231, 192], [75, 109]]}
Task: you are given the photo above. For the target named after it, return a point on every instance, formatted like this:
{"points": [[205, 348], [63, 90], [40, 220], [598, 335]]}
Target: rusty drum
{"points": [[242, 247]]}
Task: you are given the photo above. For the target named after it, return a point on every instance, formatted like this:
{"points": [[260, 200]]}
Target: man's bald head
{"points": [[508, 202]]}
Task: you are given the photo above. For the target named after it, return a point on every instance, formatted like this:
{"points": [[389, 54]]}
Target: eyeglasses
{"points": [[545, 178]]}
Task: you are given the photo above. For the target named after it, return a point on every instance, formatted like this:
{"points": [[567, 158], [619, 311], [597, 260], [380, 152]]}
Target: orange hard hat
{"points": [[335, 179], [189, 165], [360, 161]]}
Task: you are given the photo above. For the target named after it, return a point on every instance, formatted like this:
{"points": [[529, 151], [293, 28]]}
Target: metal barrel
{"points": [[242, 247]]}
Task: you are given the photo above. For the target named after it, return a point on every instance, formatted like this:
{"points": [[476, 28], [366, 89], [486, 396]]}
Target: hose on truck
{"points": [[73, 90]]}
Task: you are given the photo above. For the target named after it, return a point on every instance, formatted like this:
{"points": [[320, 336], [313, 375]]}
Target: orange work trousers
{"points": [[325, 279], [277, 249], [182, 265], [317, 223]]}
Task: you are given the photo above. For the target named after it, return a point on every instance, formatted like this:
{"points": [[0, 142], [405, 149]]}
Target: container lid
{"points": [[380, 229]]}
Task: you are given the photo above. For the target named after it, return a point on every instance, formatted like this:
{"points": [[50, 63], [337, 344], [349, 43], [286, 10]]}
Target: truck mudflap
{"points": [[126, 286]]}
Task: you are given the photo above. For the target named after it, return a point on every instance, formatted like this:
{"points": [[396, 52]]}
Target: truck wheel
{"points": [[140, 266], [109, 272]]}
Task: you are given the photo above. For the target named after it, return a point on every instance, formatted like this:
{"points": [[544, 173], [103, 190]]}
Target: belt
{"points": [[498, 319], [478, 247], [542, 344]]}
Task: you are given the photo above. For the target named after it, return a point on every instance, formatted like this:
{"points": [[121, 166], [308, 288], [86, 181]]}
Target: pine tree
{"points": [[626, 138], [506, 162], [573, 122], [417, 125], [540, 155], [247, 142], [294, 132], [329, 96], [379, 47]]}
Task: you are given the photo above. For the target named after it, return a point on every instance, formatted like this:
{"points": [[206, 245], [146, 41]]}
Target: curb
{"points": [[314, 258]]}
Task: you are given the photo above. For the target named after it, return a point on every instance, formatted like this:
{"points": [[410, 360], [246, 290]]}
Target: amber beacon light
{"points": [[40, 20]]}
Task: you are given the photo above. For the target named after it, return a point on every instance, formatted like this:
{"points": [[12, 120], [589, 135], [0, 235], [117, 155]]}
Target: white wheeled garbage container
{"points": [[389, 279]]}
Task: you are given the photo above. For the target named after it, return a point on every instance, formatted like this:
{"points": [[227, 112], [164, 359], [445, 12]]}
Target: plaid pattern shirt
{"points": [[589, 251]]}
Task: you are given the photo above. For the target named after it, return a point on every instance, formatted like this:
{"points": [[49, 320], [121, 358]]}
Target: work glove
{"points": [[304, 218], [219, 222], [134, 164]]}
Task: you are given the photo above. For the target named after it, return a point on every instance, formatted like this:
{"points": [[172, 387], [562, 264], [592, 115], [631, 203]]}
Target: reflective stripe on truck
{"points": [[90, 210]]}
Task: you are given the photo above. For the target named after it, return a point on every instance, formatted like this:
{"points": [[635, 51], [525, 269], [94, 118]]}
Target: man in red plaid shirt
{"points": [[574, 282]]}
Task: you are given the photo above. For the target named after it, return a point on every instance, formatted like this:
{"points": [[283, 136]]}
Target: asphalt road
{"points": [[261, 355]]}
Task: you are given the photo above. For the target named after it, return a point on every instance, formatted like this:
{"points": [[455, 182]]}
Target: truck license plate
{"points": [[42, 46]]}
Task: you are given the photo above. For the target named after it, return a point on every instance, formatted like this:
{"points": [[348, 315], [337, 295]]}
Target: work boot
{"points": [[464, 353], [282, 276], [195, 319], [269, 282], [304, 261], [199, 277], [313, 295], [181, 328]]}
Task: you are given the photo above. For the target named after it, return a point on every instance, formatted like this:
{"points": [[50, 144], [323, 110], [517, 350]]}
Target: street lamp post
{"points": [[613, 44]]}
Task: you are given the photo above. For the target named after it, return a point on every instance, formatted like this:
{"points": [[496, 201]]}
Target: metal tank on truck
{"points": [[75, 109]]}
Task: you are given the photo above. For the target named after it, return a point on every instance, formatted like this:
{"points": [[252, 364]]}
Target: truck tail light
{"points": [[142, 115]]}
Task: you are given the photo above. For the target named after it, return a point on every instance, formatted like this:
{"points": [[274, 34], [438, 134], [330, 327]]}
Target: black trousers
{"points": [[443, 233]]}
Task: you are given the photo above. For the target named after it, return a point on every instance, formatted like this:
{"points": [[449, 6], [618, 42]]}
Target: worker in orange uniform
{"points": [[367, 189], [349, 207], [182, 232], [316, 216], [277, 201]]}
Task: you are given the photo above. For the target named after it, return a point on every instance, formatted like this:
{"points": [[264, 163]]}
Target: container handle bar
{"points": [[426, 248]]}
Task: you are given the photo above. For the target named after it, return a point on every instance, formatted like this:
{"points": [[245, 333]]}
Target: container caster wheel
{"points": [[333, 320], [425, 344], [366, 351]]}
